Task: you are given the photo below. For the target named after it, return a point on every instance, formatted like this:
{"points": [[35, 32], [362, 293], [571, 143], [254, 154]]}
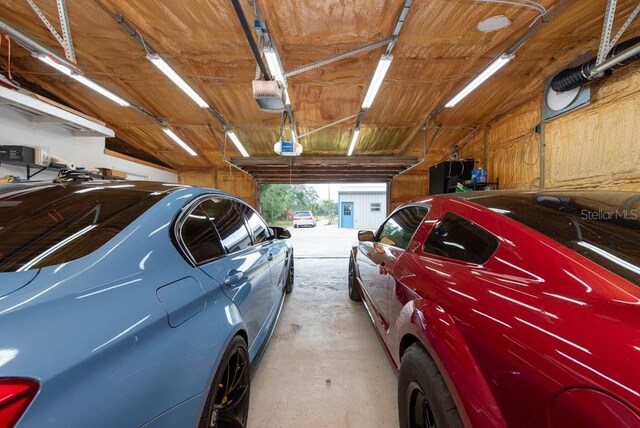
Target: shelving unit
{"points": [[39, 168], [494, 185]]}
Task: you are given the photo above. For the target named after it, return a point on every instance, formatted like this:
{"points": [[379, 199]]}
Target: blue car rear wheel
{"points": [[228, 403]]}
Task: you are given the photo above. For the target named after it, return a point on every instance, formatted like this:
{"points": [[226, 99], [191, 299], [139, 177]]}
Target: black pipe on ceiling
{"points": [[252, 42], [572, 78]]}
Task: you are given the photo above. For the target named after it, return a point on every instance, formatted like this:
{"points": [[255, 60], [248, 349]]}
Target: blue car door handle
{"points": [[232, 278]]}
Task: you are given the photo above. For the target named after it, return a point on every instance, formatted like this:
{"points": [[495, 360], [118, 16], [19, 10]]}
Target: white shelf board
{"points": [[43, 112]]}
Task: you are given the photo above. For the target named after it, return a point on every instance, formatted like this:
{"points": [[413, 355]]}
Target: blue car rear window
{"points": [[51, 224]]}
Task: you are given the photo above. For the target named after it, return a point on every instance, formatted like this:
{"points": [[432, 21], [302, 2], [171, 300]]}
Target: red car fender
{"points": [[437, 332]]}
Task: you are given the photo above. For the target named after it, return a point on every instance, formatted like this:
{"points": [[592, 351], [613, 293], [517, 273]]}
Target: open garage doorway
{"points": [[347, 205], [309, 376]]}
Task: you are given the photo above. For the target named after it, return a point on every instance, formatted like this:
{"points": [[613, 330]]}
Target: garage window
{"points": [[457, 238], [375, 207]]}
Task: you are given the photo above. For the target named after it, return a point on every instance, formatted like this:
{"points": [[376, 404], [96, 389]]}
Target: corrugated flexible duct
{"points": [[620, 56]]}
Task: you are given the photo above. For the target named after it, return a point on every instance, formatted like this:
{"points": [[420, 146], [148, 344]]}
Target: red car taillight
{"points": [[15, 397], [296, 218]]}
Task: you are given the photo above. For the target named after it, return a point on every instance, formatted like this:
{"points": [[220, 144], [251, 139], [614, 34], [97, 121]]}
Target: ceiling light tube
{"points": [[480, 79], [93, 85], [179, 141], [89, 83], [237, 143], [274, 64], [175, 78], [276, 71], [61, 68], [354, 140], [376, 82]]}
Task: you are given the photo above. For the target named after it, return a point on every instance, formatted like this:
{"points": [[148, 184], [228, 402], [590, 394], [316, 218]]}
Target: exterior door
{"points": [[346, 213]]}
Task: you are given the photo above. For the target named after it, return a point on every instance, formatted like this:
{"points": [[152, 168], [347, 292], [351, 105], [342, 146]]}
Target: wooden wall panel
{"points": [[198, 178], [239, 184], [231, 181], [598, 145], [408, 186]]}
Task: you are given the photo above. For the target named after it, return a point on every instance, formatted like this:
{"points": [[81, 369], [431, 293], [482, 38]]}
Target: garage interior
{"points": [[329, 52]]}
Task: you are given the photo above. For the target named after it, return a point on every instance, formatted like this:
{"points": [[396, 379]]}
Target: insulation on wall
{"points": [[598, 145], [474, 149], [512, 148]]}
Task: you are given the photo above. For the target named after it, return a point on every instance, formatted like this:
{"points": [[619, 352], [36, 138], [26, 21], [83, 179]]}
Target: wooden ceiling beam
{"points": [[325, 160], [322, 180]]}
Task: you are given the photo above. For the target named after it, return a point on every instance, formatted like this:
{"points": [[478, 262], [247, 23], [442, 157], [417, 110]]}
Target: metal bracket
{"points": [[65, 40], [66, 31], [337, 57], [606, 43], [624, 28], [607, 28]]}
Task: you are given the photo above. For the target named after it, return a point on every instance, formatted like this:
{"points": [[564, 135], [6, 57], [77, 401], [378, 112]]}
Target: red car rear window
{"points": [[602, 226]]}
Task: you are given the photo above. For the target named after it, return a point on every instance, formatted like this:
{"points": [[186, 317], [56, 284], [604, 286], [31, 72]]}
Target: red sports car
{"points": [[518, 309]]}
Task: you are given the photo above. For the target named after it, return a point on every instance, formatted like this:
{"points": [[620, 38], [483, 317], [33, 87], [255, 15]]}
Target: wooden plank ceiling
{"points": [[439, 49]]}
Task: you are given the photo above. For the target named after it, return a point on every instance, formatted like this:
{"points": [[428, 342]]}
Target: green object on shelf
{"points": [[460, 188]]}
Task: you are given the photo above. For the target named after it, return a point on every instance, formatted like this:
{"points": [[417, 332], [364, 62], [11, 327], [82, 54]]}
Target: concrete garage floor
{"points": [[325, 366]]}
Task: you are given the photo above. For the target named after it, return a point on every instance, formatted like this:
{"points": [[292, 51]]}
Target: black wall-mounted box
{"points": [[444, 176], [17, 154]]}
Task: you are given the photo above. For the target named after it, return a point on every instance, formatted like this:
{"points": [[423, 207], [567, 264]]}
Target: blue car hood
{"points": [[12, 281]]}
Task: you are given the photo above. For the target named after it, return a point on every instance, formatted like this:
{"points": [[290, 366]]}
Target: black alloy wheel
{"points": [[424, 401], [228, 403], [288, 286], [354, 293], [419, 411]]}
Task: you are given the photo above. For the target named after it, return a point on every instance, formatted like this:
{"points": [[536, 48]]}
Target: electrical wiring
{"points": [[525, 149], [520, 3]]}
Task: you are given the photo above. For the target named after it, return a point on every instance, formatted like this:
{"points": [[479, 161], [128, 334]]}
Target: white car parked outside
{"points": [[304, 218]]}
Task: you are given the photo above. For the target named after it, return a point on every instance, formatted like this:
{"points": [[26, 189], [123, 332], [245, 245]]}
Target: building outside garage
{"points": [[361, 208]]}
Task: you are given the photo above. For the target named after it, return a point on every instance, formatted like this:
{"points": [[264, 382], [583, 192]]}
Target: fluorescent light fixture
{"points": [[179, 141], [276, 71], [354, 140], [61, 68], [175, 78], [89, 83], [287, 101], [113, 97], [378, 77], [274, 64], [480, 79], [237, 143]]}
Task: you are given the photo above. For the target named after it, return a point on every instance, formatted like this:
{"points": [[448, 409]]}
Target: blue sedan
{"points": [[127, 304]]}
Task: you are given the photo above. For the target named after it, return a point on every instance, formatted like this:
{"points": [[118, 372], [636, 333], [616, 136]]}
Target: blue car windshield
{"points": [[51, 224]]}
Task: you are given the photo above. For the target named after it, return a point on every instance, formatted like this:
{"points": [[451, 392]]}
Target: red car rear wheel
{"points": [[424, 401]]}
